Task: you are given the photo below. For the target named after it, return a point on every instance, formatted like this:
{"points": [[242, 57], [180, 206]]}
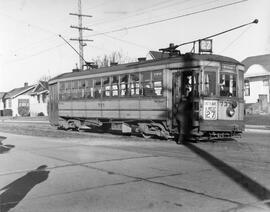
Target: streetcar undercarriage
{"points": [[147, 129]]}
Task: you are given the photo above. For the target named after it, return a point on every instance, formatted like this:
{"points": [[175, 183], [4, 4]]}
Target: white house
{"points": [[18, 100], [39, 99], [27, 100], [257, 84]]}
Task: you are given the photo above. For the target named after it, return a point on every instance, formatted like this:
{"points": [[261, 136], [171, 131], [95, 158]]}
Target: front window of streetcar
{"points": [[210, 79], [227, 84]]}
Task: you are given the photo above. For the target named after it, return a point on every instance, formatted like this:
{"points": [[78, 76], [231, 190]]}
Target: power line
{"points": [[145, 24], [187, 8], [56, 34], [33, 44], [168, 19], [36, 54], [137, 12], [29, 25]]}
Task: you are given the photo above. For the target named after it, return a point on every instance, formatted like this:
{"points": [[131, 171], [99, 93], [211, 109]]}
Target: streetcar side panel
{"points": [[53, 104], [117, 108]]}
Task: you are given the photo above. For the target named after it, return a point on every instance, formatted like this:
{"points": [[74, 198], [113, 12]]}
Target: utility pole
{"points": [[80, 29]]}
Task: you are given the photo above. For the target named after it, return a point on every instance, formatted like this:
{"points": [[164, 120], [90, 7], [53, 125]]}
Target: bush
{"points": [[40, 114], [7, 112]]}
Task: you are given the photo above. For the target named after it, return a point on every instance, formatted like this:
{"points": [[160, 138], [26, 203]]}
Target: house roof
{"points": [[18, 91], [256, 71], [42, 86], [263, 60], [2, 94]]}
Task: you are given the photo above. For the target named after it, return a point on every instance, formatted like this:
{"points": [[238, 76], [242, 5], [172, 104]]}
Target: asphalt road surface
{"points": [[119, 173]]}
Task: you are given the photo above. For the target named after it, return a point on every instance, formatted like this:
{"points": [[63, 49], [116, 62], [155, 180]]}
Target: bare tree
{"points": [[114, 57], [45, 78]]}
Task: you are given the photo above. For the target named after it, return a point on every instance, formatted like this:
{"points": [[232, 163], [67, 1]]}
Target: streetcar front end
{"points": [[221, 106]]}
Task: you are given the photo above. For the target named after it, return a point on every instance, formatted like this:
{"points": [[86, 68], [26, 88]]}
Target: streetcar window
{"points": [[62, 91], [247, 88], [115, 85], [68, 85], [157, 82], [209, 83], [81, 89], [187, 83], [68, 90], [82, 84], [227, 84], [97, 88], [62, 86], [240, 84], [196, 84], [75, 90], [89, 90], [106, 87], [146, 84], [124, 85], [134, 84], [75, 84]]}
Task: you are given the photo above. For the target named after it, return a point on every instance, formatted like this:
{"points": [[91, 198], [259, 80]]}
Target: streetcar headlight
{"points": [[230, 111]]}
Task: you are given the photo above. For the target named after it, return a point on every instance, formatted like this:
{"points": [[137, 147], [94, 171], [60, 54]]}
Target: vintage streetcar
{"points": [[143, 97]]}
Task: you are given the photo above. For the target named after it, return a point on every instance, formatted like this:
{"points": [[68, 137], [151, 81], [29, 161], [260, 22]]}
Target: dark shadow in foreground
{"points": [[4, 148], [17, 190], [2, 138], [250, 185]]}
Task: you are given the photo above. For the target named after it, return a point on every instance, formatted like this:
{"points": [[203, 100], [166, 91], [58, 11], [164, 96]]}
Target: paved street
{"points": [[107, 173]]}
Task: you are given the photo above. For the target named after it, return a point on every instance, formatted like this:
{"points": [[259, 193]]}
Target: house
{"points": [[27, 100], [257, 84], [39, 99], [18, 100], [2, 94]]}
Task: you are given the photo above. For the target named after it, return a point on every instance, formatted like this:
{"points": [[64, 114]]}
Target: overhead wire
{"points": [[186, 8], [145, 24], [35, 54], [169, 19], [137, 12]]}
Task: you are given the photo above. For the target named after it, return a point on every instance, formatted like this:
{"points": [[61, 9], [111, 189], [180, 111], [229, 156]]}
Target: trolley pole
{"points": [[80, 30]]}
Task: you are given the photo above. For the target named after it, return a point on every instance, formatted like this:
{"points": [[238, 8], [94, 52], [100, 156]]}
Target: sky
{"points": [[31, 49]]}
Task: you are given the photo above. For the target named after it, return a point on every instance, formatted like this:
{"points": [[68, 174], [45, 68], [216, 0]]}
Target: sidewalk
{"points": [[257, 128]]}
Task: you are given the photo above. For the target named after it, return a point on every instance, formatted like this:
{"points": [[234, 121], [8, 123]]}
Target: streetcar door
{"points": [[185, 89], [190, 93], [176, 89], [53, 104]]}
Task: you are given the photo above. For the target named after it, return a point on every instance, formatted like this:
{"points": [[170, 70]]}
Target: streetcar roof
{"points": [[153, 62]]}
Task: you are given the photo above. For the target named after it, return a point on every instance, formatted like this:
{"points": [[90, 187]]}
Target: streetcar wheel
{"points": [[145, 135]]}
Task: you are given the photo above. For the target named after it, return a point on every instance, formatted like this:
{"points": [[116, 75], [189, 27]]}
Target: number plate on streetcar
{"points": [[210, 110]]}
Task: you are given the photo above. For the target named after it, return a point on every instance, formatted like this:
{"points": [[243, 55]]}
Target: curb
{"points": [[257, 128], [25, 121]]}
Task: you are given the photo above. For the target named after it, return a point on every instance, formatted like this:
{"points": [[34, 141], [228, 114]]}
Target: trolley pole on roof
{"points": [[80, 29]]}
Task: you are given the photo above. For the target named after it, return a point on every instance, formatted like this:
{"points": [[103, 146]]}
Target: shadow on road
{"points": [[17, 190], [4, 148], [250, 185]]}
